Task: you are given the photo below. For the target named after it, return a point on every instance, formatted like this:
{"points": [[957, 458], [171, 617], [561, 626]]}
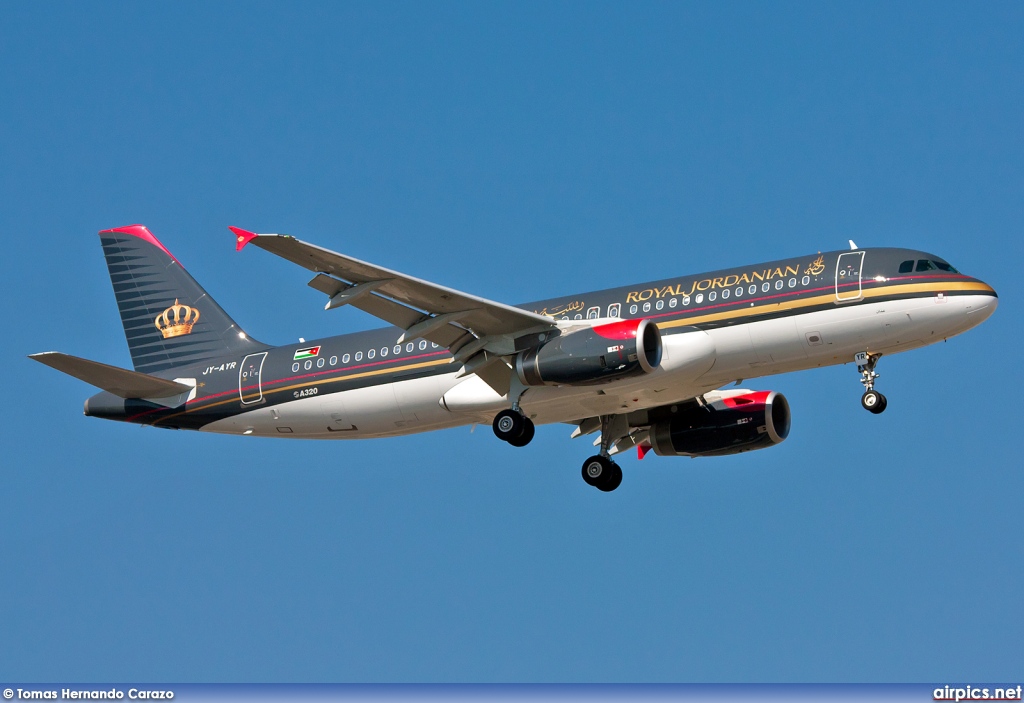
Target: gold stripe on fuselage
{"points": [[307, 384], [757, 310], [824, 299]]}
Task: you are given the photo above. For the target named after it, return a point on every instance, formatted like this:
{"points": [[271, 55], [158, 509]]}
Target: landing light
{"points": [[881, 278]]}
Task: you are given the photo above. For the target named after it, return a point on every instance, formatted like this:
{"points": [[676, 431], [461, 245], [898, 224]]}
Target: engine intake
{"points": [[595, 355], [730, 425]]}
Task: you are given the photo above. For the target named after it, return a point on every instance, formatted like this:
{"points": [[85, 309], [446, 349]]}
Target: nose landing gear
{"points": [[872, 400]]}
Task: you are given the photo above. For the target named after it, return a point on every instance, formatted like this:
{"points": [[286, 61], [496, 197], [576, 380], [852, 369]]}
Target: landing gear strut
{"points": [[600, 471], [513, 427], [872, 400]]}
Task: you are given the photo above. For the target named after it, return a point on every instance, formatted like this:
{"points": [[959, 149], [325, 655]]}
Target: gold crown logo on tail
{"points": [[176, 320]]}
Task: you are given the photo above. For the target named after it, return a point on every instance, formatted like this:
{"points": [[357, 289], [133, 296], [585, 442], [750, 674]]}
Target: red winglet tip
{"points": [[242, 237], [143, 233]]}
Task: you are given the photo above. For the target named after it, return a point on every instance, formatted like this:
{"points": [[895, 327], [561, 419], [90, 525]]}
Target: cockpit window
{"points": [[907, 266], [925, 265]]}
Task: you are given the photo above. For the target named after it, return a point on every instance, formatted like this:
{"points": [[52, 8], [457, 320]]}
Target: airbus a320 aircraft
{"points": [[642, 365]]}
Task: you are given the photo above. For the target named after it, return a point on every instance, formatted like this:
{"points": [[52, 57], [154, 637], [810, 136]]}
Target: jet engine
{"points": [[595, 355], [729, 425]]}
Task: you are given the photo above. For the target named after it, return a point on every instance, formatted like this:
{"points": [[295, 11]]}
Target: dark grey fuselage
{"points": [[261, 378]]}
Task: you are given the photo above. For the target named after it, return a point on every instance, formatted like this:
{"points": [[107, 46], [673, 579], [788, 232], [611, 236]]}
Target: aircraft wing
{"points": [[425, 310]]}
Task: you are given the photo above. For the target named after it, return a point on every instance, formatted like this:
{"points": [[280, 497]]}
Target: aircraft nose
{"points": [[983, 305]]}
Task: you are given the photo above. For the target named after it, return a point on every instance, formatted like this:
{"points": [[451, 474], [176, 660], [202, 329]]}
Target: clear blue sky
{"points": [[516, 151]]}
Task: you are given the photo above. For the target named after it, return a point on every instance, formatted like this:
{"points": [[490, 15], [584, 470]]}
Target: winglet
{"points": [[242, 237], [642, 449]]}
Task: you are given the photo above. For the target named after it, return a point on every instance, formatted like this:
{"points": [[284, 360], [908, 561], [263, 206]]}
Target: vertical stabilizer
{"points": [[169, 320]]}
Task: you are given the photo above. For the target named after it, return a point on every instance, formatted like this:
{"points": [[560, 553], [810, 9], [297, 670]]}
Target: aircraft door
{"points": [[848, 270], [250, 379]]}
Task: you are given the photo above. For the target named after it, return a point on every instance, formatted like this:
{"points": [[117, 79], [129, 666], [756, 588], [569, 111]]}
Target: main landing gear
{"points": [[872, 400], [513, 427], [599, 471], [602, 473]]}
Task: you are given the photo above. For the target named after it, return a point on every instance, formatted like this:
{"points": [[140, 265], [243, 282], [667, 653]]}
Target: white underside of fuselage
{"points": [[693, 363]]}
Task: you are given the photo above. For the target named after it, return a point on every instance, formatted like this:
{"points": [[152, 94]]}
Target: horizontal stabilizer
{"points": [[120, 382]]}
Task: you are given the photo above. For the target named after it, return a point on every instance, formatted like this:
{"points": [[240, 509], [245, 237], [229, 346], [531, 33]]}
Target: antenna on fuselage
{"points": [[853, 246]]}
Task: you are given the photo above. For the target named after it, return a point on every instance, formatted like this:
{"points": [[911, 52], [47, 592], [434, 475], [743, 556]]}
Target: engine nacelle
{"points": [[595, 355], [729, 425]]}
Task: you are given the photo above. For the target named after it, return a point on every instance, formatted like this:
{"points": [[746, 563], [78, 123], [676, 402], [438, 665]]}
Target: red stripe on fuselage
{"points": [[267, 387]]}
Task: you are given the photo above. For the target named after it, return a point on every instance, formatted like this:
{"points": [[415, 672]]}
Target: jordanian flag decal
{"points": [[306, 353]]}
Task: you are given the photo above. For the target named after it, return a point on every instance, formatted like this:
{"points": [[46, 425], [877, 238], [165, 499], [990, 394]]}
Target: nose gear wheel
{"points": [[873, 402]]}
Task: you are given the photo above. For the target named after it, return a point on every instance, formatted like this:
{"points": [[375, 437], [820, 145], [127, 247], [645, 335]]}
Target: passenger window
{"points": [[410, 347], [699, 299], [907, 266], [423, 344], [320, 363], [925, 265], [778, 284], [593, 313], [711, 296], [647, 307], [614, 310], [370, 354], [397, 349], [660, 304], [672, 303], [345, 358], [725, 294], [295, 367], [359, 356], [577, 316], [752, 289], [632, 309], [334, 361], [383, 352]]}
